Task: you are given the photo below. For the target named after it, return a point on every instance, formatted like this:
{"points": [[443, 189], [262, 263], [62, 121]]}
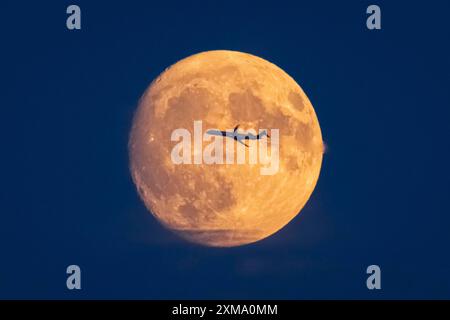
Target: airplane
{"points": [[238, 136]]}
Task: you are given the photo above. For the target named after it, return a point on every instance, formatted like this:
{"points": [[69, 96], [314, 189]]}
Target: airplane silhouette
{"points": [[238, 136]]}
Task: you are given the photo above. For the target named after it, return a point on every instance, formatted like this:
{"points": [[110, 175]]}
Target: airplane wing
{"points": [[243, 143]]}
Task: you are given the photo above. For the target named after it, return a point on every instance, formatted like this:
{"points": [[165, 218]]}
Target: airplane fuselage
{"points": [[237, 136]]}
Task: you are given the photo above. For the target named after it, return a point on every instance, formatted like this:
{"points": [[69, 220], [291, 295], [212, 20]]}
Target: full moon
{"points": [[225, 204]]}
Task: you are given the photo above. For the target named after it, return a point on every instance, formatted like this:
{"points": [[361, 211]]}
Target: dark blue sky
{"points": [[382, 99]]}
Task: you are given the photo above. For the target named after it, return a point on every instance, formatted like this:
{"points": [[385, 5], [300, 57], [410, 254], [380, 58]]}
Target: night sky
{"points": [[67, 101]]}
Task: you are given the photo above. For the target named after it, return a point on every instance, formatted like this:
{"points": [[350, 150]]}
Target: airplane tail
{"points": [[264, 133]]}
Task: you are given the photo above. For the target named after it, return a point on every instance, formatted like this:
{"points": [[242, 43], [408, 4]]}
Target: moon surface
{"points": [[224, 205]]}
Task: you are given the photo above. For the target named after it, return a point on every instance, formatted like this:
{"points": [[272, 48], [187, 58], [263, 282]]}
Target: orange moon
{"points": [[224, 205]]}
